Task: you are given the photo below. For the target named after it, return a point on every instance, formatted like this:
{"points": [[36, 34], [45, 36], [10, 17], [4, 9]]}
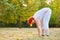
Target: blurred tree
{"points": [[10, 10]]}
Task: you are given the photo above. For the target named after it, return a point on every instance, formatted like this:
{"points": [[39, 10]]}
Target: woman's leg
{"points": [[38, 23], [45, 23], [43, 32]]}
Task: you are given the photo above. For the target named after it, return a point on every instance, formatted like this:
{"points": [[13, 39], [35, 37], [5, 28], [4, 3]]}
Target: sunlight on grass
{"points": [[27, 34]]}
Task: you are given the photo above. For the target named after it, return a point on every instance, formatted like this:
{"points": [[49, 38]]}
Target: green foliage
{"points": [[10, 10]]}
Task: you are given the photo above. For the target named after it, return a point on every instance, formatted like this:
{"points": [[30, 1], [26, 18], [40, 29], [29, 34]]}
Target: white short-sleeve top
{"points": [[41, 11]]}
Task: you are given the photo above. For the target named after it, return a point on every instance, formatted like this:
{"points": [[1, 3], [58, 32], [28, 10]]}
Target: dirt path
{"points": [[27, 34]]}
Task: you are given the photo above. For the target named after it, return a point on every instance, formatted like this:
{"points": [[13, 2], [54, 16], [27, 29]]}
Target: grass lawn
{"points": [[27, 34]]}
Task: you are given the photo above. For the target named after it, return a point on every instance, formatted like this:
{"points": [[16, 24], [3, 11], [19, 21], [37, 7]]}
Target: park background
{"points": [[14, 13]]}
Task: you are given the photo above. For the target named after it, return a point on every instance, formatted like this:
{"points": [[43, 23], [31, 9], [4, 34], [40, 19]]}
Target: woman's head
{"points": [[30, 21]]}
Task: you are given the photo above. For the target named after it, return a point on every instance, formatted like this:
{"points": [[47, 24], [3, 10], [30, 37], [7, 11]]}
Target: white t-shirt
{"points": [[40, 12]]}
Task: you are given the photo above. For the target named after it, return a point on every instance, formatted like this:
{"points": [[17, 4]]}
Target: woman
{"points": [[41, 18]]}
